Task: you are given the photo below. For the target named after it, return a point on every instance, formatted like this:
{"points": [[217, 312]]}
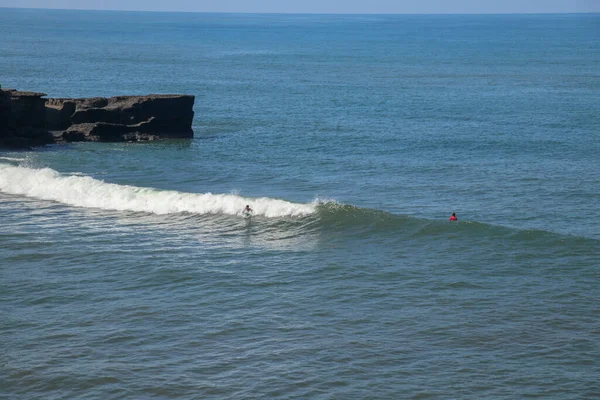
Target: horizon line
{"points": [[299, 13]]}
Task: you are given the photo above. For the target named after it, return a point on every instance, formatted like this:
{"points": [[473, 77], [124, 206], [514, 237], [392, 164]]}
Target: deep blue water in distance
{"points": [[127, 271]]}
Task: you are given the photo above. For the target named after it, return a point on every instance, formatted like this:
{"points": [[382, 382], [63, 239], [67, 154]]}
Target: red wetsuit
{"points": [[453, 218]]}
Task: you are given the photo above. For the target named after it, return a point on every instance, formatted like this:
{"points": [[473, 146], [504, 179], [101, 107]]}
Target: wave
{"points": [[321, 215], [352, 219], [85, 191]]}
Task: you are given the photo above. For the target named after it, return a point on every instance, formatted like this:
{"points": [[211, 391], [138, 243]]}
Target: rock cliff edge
{"points": [[28, 119]]}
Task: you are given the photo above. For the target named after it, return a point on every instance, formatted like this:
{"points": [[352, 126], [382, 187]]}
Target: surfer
{"points": [[247, 210], [453, 217]]}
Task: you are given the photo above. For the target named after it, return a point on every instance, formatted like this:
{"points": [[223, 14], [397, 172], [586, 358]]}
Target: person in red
{"points": [[453, 217]]}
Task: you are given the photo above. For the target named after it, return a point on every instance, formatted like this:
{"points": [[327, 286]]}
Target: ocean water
{"points": [[128, 272]]}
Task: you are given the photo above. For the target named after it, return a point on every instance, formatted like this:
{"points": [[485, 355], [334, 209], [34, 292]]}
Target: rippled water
{"points": [[128, 271]]}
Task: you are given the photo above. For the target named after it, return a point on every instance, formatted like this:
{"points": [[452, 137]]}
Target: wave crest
{"points": [[85, 191]]}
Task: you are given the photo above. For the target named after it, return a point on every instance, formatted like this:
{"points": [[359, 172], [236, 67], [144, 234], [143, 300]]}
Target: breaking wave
{"points": [[85, 191], [317, 216]]}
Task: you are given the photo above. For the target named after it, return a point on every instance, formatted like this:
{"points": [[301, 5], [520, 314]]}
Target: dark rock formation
{"points": [[22, 120], [27, 119]]}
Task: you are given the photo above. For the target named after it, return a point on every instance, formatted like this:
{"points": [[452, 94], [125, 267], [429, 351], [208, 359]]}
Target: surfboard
{"points": [[247, 214]]}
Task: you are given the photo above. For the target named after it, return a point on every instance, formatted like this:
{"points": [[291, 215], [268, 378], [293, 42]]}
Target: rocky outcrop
{"points": [[27, 119], [22, 120]]}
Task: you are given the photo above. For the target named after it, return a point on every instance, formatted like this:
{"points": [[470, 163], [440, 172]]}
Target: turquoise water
{"points": [[128, 271]]}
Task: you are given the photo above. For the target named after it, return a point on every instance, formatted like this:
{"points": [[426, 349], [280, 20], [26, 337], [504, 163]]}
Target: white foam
{"points": [[13, 159], [84, 191]]}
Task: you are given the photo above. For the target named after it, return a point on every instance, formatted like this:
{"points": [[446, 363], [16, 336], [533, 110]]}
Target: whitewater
{"points": [[84, 191]]}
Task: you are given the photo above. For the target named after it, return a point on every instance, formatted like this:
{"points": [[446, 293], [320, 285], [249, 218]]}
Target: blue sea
{"points": [[127, 270]]}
